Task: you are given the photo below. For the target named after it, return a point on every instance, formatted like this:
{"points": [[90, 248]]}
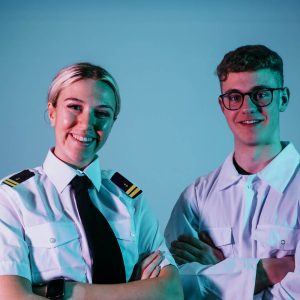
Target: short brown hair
{"points": [[250, 58]]}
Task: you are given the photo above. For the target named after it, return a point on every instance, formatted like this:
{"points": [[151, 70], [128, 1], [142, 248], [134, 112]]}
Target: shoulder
{"points": [[118, 181], [203, 183], [194, 195], [16, 179]]}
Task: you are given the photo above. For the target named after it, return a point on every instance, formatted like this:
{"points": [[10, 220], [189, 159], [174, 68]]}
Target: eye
{"points": [[102, 114], [262, 94], [234, 97], [75, 107]]}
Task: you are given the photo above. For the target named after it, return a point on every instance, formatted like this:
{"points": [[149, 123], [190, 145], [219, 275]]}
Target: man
{"points": [[234, 232]]}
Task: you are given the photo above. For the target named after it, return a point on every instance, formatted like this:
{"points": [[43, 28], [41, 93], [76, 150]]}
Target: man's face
{"points": [[252, 125]]}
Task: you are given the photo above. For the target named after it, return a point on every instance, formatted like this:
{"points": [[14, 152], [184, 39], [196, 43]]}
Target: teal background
{"points": [[163, 55]]}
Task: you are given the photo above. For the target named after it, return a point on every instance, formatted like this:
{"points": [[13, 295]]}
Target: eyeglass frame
{"points": [[251, 94]]}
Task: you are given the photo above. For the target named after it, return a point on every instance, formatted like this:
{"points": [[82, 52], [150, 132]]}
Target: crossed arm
{"points": [[269, 271], [150, 283]]}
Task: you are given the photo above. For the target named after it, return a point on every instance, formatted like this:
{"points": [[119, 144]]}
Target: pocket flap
{"points": [[51, 235], [277, 237], [221, 236], [123, 229]]}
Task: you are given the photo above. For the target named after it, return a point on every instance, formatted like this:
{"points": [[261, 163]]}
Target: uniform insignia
{"points": [[18, 178], [125, 185]]}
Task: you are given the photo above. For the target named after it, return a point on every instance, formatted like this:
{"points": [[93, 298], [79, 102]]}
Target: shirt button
{"points": [[132, 234], [282, 242], [52, 240]]}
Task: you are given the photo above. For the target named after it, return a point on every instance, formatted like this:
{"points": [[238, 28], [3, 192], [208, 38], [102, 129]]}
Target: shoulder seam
{"points": [[18, 178], [125, 185]]}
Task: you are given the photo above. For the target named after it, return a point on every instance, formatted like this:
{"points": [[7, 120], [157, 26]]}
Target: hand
{"points": [[272, 270], [189, 249], [204, 237], [149, 267]]}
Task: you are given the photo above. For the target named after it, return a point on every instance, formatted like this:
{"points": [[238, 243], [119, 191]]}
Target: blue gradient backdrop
{"points": [[163, 55]]}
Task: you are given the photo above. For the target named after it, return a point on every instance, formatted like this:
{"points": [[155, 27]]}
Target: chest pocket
{"points": [[128, 243], [276, 241], [54, 250], [222, 238]]}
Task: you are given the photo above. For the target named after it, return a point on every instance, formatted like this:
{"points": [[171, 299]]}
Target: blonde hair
{"points": [[75, 72]]}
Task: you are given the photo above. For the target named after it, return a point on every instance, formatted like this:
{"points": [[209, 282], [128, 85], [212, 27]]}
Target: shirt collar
{"points": [[286, 163], [61, 174], [228, 174]]}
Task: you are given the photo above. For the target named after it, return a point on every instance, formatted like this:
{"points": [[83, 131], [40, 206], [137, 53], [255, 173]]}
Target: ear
{"points": [[52, 114], [284, 99]]}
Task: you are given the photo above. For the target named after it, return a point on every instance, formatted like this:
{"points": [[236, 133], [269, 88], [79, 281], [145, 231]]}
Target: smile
{"points": [[249, 122], [82, 139]]}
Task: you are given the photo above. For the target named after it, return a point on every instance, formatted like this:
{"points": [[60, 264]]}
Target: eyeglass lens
{"points": [[234, 100]]}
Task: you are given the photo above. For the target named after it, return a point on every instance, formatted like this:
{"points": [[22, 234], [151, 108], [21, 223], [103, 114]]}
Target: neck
{"points": [[254, 158]]}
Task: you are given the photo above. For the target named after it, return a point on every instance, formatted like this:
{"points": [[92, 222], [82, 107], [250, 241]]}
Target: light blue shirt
{"points": [[41, 236], [248, 217]]}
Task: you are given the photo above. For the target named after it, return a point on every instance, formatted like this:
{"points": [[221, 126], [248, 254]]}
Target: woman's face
{"points": [[82, 119]]}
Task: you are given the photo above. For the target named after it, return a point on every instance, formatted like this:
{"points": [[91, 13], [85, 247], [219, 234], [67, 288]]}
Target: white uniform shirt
{"points": [[248, 218], [41, 236]]}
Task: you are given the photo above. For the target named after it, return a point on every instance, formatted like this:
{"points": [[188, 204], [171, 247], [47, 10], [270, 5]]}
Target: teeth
{"points": [[250, 121], [84, 139]]}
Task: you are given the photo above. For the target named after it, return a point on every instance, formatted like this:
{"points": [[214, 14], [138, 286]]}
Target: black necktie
{"points": [[108, 265]]}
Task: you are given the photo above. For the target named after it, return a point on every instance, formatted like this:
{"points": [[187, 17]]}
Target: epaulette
{"points": [[125, 185], [18, 178]]}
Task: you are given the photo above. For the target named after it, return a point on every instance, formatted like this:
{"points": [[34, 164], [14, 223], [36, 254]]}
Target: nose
{"points": [[248, 105], [87, 119]]}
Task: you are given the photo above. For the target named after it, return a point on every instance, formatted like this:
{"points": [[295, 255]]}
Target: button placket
{"points": [[52, 240]]}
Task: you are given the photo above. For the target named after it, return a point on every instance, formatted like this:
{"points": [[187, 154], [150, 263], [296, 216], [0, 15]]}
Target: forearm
{"points": [[166, 286], [271, 271], [288, 288], [200, 281], [15, 287]]}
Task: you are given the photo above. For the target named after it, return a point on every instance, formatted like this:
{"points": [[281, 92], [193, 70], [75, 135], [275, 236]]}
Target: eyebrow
{"points": [[105, 106], [255, 88], [81, 101], [73, 98]]}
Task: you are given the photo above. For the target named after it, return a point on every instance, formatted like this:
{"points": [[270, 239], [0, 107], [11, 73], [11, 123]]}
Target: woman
{"points": [[51, 243]]}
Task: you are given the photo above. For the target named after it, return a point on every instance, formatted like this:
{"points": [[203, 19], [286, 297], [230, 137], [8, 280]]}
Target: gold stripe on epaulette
{"points": [[134, 192], [10, 182], [18, 178], [130, 189], [125, 185]]}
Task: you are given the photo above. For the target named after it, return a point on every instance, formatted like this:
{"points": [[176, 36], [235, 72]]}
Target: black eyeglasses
{"points": [[260, 97]]}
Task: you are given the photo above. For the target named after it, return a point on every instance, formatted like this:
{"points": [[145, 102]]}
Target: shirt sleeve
{"points": [[232, 278], [289, 287], [150, 237], [14, 250]]}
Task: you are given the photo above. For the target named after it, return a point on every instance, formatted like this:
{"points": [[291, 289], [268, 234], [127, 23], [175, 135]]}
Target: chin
{"points": [[252, 143], [81, 162]]}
